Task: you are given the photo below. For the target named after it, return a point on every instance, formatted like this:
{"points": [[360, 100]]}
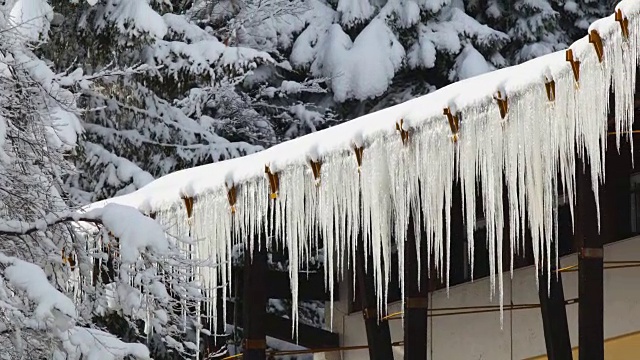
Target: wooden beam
{"points": [[214, 343], [310, 285], [554, 315], [255, 302], [613, 198], [378, 334], [280, 328], [416, 304], [615, 193], [590, 276]]}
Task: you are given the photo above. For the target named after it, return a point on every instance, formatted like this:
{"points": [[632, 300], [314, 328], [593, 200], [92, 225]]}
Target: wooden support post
{"points": [[278, 327], [416, 303], [310, 287], [215, 343], [220, 341], [378, 334], [255, 302], [554, 315], [590, 278]]}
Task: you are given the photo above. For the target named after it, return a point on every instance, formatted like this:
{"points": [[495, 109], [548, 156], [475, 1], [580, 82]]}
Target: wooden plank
{"points": [[280, 328], [417, 297], [459, 272], [378, 334], [214, 344], [614, 201], [310, 285], [554, 316], [590, 277], [615, 194], [255, 303]]}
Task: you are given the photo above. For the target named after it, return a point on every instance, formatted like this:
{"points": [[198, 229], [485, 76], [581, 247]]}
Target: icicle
{"points": [[291, 222], [190, 275], [404, 191], [556, 239], [467, 168], [486, 119], [213, 236], [622, 51], [511, 153], [376, 213], [593, 108], [448, 181], [435, 153], [336, 214]]}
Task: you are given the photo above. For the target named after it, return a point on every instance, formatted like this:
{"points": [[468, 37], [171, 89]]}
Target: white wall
{"points": [[479, 336]]}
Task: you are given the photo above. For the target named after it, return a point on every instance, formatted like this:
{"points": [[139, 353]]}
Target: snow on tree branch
{"points": [[57, 313], [134, 230], [31, 279], [17, 227]]}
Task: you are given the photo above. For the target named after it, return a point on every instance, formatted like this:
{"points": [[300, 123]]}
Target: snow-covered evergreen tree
{"points": [[166, 97], [539, 27], [535, 30], [579, 14], [532, 25], [175, 90], [291, 101], [376, 54]]}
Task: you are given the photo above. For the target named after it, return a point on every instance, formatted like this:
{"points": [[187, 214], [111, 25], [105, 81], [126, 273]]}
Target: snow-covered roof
{"points": [[536, 139]]}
